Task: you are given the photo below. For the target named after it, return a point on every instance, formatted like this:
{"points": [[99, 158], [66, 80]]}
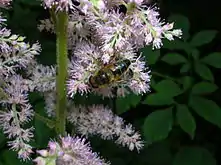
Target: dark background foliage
{"points": [[180, 119]]}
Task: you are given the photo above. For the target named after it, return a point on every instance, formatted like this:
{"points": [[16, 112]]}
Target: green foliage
{"points": [[177, 45], [125, 103], [185, 68], [158, 99], [174, 58], [213, 59], [8, 157], [204, 88], [151, 56], [207, 109], [203, 37], [188, 87], [194, 156], [186, 82], [157, 125], [31, 2], [169, 87], [186, 120], [166, 90], [42, 132], [159, 154], [2, 139], [174, 98], [204, 71], [183, 80]]}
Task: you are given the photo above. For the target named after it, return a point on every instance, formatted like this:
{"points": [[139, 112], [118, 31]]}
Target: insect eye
{"points": [[76, 3], [122, 9]]}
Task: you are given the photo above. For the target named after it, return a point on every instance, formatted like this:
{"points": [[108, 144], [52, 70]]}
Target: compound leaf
{"points": [[151, 55], [124, 103], [204, 72], [186, 82], [207, 109], [186, 120], [158, 124], [213, 59], [204, 88], [174, 58], [185, 68], [158, 99], [203, 37], [195, 54], [169, 87]]}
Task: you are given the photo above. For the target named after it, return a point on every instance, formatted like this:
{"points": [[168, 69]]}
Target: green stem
{"points": [[62, 58], [45, 120]]}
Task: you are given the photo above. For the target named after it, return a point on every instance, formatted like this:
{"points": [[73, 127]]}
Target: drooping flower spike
{"points": [[100, 120], [69, 151]]}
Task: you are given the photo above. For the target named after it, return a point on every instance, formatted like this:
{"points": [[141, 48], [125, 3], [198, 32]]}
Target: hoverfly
{"points": [[111, 73]]}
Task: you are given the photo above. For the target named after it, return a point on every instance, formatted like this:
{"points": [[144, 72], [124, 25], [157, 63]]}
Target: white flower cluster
{"points": [[16, 56], [69, 151], [104, 42], [15, 112], [100, 120], [4, 3], [100, 35], [102, 39]]}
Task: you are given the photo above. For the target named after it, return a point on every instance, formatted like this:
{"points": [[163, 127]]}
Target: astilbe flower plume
{"points": [[50, 103], [15, 110], [42, 78], [15, 53], [100, 35], [69, 151], [47, 25], [61, 5], [100, 120], [4, 3]]}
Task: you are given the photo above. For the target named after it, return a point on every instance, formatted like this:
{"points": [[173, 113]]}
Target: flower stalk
{"points": [[61, 52]]}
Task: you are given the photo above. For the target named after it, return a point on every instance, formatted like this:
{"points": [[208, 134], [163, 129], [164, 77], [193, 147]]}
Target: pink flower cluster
{"points": [[69, 150], [4, 3], [100, 120], [100, 34], [100, 37], [16, 112]]}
